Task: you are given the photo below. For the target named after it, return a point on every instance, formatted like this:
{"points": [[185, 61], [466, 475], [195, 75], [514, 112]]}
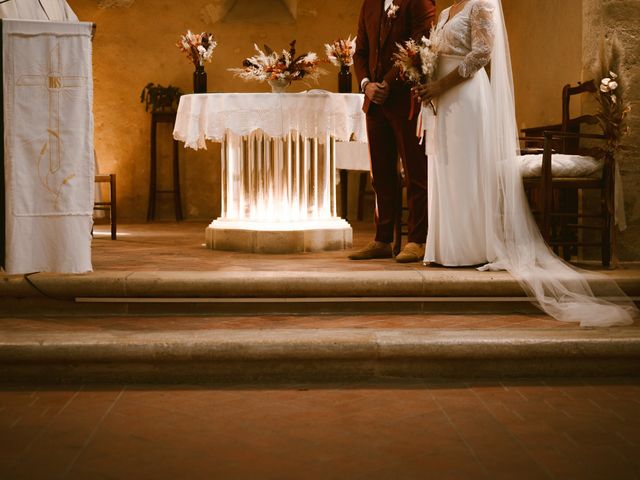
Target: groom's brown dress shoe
{"points": [[412, 252], [373, 250]]}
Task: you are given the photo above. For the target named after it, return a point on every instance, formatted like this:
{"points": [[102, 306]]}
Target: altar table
{"points": [[278, 171]]}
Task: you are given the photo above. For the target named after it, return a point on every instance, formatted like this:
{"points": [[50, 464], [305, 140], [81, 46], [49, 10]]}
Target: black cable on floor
{"points": [[27, 277]]}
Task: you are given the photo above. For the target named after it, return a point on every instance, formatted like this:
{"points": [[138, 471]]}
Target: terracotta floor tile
{"points": [[460, 430]]}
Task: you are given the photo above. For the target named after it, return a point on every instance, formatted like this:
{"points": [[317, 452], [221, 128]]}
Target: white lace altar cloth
{"points": [[312, 115], [49, 161]]}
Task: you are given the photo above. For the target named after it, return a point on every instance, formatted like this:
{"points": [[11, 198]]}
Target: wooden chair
{"points": [[163, 116], [555, 216], [556, 203], [109, 206]]}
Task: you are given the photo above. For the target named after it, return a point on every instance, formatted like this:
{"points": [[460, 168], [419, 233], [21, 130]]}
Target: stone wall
{"points": [[545, 41], [135, 41], [604, 17]]}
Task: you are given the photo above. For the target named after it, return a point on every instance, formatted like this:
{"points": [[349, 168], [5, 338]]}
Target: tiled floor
{"points": [[487, 430], [180, 246]]}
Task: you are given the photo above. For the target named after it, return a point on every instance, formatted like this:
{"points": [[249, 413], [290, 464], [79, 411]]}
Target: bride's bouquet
{"points": [[271, 65], [417, 61]]}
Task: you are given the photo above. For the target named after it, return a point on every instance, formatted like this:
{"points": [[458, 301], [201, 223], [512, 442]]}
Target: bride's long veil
{"points": [[562, 291]]}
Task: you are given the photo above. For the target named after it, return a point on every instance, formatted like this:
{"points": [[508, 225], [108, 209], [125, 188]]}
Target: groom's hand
{"points": [[377, 92]]}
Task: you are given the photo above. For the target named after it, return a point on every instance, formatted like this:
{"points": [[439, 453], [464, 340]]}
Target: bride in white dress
{"points": [[478, 212]]}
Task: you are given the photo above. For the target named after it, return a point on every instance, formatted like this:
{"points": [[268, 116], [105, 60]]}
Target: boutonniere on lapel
{"points": [[392, 11]]}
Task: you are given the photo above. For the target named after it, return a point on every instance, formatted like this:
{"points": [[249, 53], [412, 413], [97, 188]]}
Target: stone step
{"points": [[313, 354], [126, 293]]}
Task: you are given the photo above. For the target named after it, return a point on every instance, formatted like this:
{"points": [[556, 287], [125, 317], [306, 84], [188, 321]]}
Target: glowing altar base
{"points": [[278, 196]]}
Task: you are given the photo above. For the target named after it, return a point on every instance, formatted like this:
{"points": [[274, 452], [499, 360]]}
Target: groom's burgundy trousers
{"points": [[391, 133]]}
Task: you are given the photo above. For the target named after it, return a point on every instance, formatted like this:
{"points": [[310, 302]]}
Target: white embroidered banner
{"points": [[49, 165], [47, 77]]}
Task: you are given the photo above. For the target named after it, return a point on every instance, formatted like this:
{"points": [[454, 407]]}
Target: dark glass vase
{"points": [[344, 80], [200, 80]]}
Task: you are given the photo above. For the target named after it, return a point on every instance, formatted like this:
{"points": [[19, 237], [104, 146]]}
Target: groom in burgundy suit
{"points": [[383, 24]]}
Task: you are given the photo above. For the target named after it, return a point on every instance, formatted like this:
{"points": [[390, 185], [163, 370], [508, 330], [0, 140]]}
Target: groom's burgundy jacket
{"points": [[390, 130], [378, 35]]}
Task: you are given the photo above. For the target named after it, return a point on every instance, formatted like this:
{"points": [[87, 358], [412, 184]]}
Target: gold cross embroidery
{"points": [[56, 83]]}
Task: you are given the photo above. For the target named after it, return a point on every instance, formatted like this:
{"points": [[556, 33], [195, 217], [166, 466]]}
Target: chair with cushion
{"points": [[561, 169]]}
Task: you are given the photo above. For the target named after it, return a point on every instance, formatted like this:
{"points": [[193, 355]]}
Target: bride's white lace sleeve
{"points": [[482, 34]]}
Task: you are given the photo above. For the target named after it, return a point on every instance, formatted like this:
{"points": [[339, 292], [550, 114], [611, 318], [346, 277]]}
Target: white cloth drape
{"points": [[314, 115], [51, 10], [49, 163]]}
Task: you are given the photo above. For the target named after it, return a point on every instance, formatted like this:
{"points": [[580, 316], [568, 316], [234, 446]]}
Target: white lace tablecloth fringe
{"points": [[315, 115]]}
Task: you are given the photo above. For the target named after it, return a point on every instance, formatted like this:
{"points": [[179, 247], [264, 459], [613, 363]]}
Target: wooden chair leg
{"points": [[569, 202], [545, 227], [606, 248], [177, 196], [607, 227], [113, 212], [613, 252], [546, 191], [397, 246], [153, 176], [344, 193], [362, 188]]}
